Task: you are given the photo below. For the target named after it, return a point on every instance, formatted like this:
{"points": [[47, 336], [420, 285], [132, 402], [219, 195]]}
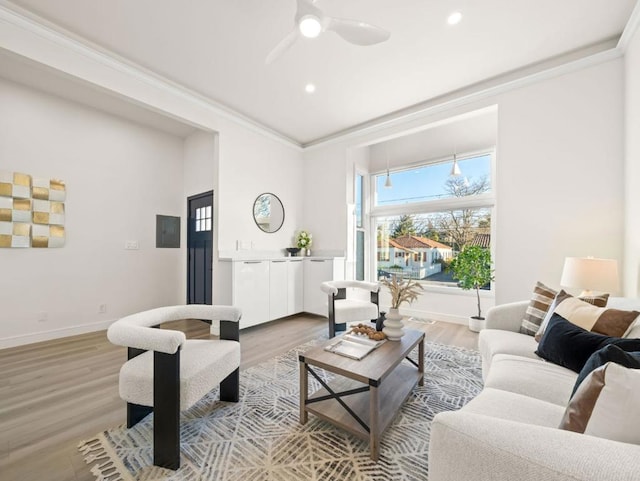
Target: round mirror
{"points": [[268, 212]]}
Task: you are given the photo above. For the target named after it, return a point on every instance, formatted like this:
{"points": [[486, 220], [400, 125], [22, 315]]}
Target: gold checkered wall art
{"points": [[31, 211]]}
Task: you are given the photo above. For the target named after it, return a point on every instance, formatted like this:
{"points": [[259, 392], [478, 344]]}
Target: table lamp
{"points": [[590, 274]]}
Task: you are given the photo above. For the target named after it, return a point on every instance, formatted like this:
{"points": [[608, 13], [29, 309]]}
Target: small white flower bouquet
{"points": [[304, 240]]}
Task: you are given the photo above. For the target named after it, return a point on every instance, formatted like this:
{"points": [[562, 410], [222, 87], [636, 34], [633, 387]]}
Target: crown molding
{"points": [[630, 28], [573, 61], [487, 89], [24, 20]]}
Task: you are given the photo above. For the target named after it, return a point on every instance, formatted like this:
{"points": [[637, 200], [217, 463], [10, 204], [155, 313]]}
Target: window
{"points": [[360, 232], [203, 219], [427, 183], [428, 216]]}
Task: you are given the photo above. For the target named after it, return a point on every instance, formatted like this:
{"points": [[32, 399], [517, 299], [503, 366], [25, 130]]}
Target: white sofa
{"points": [[509, 432]]}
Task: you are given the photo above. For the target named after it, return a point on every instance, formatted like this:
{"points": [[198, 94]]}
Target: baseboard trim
{"points": [[24, 339], [436, 316]]}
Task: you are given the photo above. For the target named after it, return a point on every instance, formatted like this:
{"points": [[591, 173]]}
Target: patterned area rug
{"points": [[260, 437]]}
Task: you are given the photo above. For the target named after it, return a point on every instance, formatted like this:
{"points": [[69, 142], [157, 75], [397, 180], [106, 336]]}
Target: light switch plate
{"points": [[131, 245]]}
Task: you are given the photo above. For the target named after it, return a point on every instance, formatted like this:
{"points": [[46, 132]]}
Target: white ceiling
{"points": [[217, 48]]}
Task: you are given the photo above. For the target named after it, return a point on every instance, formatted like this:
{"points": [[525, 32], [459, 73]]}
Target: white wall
{"points": [[631, 269], [559, 176], [119, 175], [325, 197], [250, 165], [200, 167], [559, 179]]}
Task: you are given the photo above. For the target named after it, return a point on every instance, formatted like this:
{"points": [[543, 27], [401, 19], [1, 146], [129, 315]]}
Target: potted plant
{"points": [[401, 290], [472, 268], [304, 241]]}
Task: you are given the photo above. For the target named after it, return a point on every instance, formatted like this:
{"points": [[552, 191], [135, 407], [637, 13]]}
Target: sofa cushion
{"points": [[530, 377], [598, 301], [497, 341], [568, 345], [536, 310], [515, 407], [606, 405]]}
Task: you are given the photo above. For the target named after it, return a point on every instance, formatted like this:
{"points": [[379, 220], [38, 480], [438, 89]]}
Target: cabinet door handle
{"points": [[278, 261], [317, 260], [253, 262], [297, 260]]}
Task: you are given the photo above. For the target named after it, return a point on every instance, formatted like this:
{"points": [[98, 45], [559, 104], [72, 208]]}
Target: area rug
{"points": [[260, 438]]}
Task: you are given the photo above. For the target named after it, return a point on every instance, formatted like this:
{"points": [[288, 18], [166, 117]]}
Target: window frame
{"points": [[485, 200], [364, 214]]}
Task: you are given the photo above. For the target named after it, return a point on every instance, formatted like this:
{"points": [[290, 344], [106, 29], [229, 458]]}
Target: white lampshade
{"points": [[590, 274]]}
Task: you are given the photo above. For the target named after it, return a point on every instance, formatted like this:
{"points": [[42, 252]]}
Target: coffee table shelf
{"points": [[394, 392], [366, 395]]}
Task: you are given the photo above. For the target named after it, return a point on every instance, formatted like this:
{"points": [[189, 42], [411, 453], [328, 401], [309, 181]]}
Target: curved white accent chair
{"points": [[167, 373], [344, 308]]}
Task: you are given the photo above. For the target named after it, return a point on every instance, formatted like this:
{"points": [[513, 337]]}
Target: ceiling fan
{"points": [[311, 22]]}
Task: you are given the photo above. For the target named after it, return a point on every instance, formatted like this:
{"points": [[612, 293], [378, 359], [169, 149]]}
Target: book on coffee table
{"points": [[353, 346], [363, 340]]}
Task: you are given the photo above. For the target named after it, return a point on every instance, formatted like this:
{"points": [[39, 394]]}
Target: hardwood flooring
{"points": [[54, 394]]}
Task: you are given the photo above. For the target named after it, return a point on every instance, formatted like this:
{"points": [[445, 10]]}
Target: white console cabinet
{"points": [[295, 286], [317, 271], [278, 289], [267, 289], [250, 283]]}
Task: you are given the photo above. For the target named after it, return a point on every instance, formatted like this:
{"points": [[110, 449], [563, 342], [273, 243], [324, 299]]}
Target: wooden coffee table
{"points": [[368, 393]]}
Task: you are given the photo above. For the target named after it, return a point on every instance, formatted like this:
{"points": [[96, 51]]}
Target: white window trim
{"points": [[365, 222]]}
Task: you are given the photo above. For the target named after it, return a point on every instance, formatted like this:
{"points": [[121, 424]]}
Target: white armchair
{"points": [[167, 373], [343, 309]]}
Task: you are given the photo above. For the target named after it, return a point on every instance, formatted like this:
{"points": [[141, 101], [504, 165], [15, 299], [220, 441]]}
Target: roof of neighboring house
{"points": [[481, 240], [392, 243], [415, 242]]}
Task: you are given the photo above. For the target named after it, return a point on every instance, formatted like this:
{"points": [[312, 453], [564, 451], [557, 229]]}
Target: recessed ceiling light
{"points": [[309, 88], [454, 18]]}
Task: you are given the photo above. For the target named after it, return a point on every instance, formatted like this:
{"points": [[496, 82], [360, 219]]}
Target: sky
{"points": [[428, 182]]}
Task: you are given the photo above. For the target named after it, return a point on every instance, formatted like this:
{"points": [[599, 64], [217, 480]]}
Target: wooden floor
{"points": [[54, 394]]}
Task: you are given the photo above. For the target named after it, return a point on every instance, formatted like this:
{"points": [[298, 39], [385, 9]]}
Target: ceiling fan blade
{"points": [[284, 45], [358, 33]]}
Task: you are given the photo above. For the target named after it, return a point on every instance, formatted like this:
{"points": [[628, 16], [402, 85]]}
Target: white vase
{"points": [[393, 325]]}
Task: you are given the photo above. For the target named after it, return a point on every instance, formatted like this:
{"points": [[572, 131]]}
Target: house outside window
{"points": [[428, 216]]}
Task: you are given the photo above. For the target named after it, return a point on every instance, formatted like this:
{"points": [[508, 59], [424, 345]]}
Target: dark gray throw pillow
{"points": [[609, 353], [568, 345]]}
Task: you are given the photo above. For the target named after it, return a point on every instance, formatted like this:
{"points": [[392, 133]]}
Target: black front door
{"points": [[199, 249]]}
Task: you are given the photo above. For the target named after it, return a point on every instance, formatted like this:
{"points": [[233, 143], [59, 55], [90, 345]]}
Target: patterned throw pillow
{"points": [[609, 322], [542, 298], [598, 301]]}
